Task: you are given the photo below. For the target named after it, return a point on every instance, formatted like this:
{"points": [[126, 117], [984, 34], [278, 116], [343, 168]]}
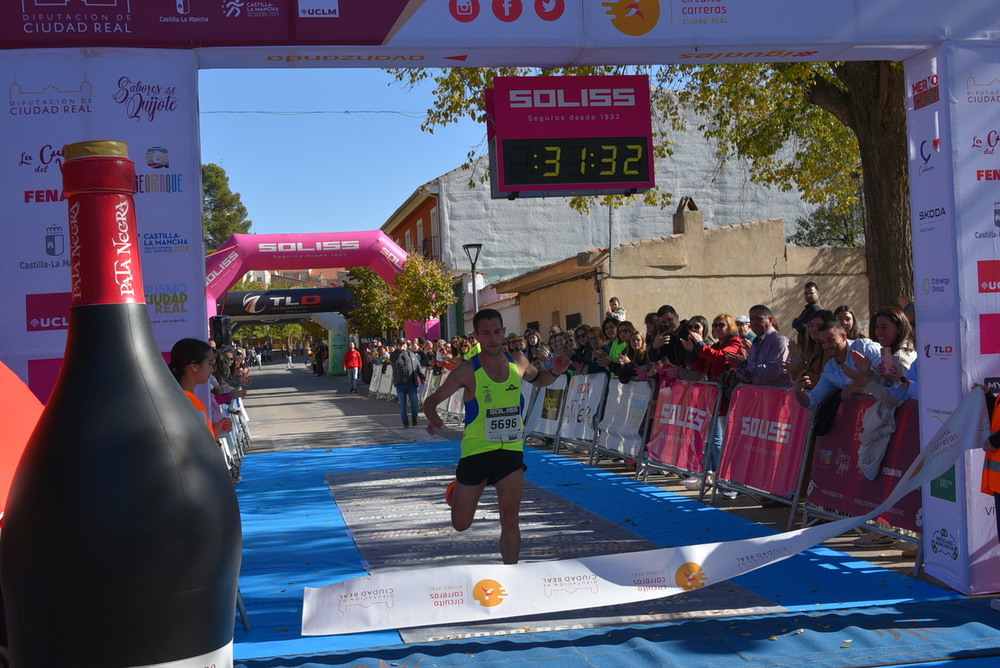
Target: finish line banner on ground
{"points": [[439, 596]]}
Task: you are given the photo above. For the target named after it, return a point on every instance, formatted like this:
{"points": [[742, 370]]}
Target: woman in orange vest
{"points": [[192, 362]]}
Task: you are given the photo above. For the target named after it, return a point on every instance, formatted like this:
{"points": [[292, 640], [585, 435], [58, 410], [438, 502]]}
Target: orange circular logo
{"points": [[634, 17], [690, 576], [489, 593]]}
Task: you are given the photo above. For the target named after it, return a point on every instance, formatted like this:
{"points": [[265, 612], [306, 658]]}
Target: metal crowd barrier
{"points": [[765, 438]]}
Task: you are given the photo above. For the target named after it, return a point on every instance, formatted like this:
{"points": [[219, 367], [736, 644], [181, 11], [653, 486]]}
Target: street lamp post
{"points": [[472, 252]]}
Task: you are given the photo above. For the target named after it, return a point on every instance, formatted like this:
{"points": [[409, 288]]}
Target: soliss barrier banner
{"points": [[440, 596], [583, 407], [765, 439], [681, 422], [836, 483], [625, 411], [543, 419]]}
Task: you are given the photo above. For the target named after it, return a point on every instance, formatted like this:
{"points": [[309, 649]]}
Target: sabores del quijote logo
{"points": [[144, 100]]}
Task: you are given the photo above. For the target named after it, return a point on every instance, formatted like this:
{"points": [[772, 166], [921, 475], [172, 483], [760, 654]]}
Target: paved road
{"points": [[295, 410]]}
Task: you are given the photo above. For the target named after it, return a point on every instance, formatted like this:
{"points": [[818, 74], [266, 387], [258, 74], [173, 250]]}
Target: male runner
{"points": [[493, 444]]}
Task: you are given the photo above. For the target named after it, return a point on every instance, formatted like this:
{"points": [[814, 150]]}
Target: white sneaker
{"points": [[730, 494], [693, 483]]}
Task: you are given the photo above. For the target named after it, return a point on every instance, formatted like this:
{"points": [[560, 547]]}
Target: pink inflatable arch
{"points": [[244, 252]]}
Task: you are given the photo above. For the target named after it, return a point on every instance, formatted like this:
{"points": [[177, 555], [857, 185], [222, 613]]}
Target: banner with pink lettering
{"points": [[765, 439], [144, 97], [684, 412], [836, 483]]}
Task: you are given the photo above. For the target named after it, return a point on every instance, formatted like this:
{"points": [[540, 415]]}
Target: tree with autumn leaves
{"points": [[823, 128], [422, 290]]}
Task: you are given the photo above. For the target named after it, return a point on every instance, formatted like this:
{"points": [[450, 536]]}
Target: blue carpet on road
{"points": [[843, 612]]}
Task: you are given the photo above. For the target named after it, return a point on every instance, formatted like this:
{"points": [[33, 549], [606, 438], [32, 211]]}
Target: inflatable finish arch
{"points": [[244, 252]]}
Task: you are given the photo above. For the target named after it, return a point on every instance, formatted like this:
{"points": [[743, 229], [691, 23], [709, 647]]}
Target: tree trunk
{"points": [[876, 113]]}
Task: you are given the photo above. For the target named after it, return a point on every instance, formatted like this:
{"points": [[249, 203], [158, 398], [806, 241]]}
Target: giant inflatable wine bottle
{"points": [[121, 541]]}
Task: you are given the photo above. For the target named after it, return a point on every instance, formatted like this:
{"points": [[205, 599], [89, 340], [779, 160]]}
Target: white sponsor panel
{"points": [[543, 419], [147, 98], [583, 406], [624, 415], [974, 99], [449, 595]]}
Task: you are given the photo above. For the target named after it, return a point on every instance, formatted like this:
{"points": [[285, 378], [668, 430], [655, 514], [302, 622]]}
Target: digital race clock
{"points": [[552, 136]]}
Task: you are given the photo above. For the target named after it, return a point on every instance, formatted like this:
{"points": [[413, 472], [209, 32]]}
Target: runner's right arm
{"points": [[460, 378]]}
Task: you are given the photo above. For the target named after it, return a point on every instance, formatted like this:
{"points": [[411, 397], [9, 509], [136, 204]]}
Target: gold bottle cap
{"points": [[108, 148]]}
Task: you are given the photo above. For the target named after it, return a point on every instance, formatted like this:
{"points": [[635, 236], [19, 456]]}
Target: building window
{"points": [[532, 325], [573, 320], [407, 241]]}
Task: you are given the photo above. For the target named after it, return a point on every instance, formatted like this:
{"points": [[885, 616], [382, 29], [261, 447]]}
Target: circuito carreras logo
{"points": [[633, 17], [489, 593], [690, 576]]}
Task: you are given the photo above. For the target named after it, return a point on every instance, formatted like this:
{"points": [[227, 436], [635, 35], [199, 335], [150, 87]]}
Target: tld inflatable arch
{"points": [[244, 252]]}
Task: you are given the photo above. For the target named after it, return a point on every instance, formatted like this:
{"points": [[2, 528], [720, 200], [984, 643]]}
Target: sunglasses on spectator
{"points": [[718, 324]]}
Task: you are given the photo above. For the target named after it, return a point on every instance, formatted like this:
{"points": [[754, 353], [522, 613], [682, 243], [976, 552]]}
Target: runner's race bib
{"points": [[503, 424]]}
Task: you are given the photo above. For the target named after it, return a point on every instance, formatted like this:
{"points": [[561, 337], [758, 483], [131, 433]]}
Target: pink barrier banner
{"points": [[683, 416], [837, 483], [765, 439]]}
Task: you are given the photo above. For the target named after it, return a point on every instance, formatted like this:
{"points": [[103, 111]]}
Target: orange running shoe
{"points": [[448, 493]]}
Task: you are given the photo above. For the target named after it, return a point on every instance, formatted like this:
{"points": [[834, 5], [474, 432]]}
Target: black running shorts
{"points": [[491, 467]]}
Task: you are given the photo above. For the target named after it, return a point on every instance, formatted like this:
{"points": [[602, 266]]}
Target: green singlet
{"points": [[493, 418]]}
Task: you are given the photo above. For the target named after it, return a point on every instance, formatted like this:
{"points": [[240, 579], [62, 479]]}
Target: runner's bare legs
{"points": [[464, 501], [509, 493]]}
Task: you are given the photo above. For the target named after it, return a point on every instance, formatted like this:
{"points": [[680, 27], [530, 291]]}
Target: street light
{"points": [[472, 252]]}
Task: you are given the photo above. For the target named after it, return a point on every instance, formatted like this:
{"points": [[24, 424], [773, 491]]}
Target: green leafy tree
{"points": [[222, 210], [797, 125], [826, 226], [423, 290], [375, 315], [245, 284]]}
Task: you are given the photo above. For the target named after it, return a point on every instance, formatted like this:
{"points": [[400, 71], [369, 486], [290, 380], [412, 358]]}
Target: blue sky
{"points": [[324, 172]]}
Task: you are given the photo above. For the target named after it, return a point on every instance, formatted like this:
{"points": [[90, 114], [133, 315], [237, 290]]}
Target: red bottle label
{"points": [[105, 265]]}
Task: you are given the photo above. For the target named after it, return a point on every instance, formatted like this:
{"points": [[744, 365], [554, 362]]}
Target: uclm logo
{"points": [[47, 312], [989, 275]]}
